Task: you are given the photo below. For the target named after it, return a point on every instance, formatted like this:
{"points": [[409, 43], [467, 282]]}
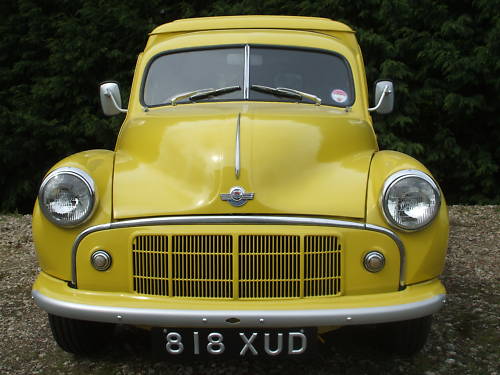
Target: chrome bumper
{"points": [[240, 318]]}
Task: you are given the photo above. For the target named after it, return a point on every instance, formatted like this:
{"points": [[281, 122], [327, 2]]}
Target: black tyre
{"points": [[406, 337], [80, 336]]}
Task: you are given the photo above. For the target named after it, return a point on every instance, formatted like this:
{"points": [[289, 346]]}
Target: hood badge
{"points": [[237, 196]]}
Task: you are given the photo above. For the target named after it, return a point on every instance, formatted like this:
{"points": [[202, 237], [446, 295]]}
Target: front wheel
{"points": [[80, 336], [406, 337]]}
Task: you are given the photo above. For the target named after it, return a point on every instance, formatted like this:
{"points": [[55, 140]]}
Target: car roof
{"points": [[251, 22]]}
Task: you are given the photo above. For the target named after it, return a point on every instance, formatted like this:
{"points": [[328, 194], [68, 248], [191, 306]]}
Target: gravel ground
{"points": [[465, 336]]}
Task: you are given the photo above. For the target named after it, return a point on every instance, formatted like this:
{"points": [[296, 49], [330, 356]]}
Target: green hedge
{"points": [[444, 57]]}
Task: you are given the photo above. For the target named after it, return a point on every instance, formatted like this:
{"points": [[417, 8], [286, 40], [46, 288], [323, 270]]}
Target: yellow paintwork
{"points": [[186, 158], [298, 159], [52, 243], [426, 249], [249, 22]]}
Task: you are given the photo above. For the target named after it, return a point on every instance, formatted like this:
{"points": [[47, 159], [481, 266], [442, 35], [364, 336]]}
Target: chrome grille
{"points": [[237, 266]]}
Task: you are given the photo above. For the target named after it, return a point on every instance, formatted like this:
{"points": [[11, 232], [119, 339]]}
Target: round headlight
{"points": [[410, 199], [67, 197]]}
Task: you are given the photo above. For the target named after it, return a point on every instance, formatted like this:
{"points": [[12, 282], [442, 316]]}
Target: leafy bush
{"points": [[443, 56]]}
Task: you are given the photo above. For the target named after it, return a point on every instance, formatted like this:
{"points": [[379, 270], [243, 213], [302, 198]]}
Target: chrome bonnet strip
{"points": [[246, 318], [238, 220], [237, 149]]}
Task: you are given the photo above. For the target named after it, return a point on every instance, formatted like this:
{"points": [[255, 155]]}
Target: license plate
{"points": [[169, 342]]}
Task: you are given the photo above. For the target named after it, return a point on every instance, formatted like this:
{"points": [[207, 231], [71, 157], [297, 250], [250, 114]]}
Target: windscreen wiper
{"points": [[203, 93], [287, 93]]}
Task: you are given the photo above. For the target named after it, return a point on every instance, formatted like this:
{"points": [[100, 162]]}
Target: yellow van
{"points": [[246, 208]]}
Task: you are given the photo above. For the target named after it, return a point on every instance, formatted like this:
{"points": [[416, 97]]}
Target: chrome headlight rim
{"points": [[399, 176], [89, 184]]}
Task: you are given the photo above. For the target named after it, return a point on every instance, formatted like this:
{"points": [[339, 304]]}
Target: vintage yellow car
{"points": [[246, 208]]}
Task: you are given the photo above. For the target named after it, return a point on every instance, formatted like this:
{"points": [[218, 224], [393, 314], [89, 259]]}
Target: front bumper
{"points": [[55, 297]]}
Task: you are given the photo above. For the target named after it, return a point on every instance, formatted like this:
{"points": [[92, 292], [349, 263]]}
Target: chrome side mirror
{"points": [[111, 101], [384, 97]]}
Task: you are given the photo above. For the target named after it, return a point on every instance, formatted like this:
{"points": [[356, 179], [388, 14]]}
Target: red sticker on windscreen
{"points": [[339, 96]]}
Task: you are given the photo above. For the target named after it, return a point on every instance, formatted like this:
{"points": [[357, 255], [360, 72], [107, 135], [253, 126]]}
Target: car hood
{"points": [[296, 158]]}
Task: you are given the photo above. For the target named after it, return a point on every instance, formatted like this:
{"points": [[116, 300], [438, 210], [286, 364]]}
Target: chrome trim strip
{"points": [[76, 243], [237, 149], [401, 247], [246, 318], [236, 220], [246, 74]]}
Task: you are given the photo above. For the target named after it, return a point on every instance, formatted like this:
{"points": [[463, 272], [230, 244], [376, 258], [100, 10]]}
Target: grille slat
{"points": [[200, 266], [244, 266], [272, 269], [323, 264], [150, 259]]}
